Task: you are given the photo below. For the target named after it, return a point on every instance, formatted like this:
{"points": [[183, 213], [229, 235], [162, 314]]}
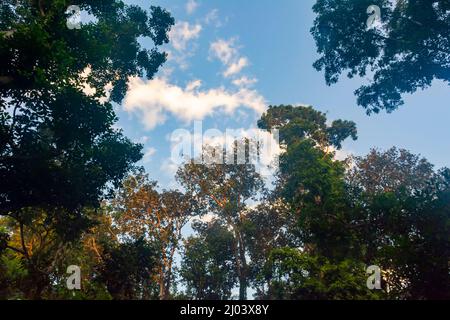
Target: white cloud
{"points": [[224, 50], [183, 38], [236, 67], [153, 99], [341, 154], [183, 32], [169, 169], [191, 6], [227, 52], [212, 17], [143, 139], [193, 85], [244, 81], [148, 155]]}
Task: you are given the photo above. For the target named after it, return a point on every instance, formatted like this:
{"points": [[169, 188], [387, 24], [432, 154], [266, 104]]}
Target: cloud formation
{"points": [[191, 6], [183, 32], [182, 44], [224, 50], [148, 155], [212, 18], [244, 81], [236, 67], [153, 99], [227, 52]]}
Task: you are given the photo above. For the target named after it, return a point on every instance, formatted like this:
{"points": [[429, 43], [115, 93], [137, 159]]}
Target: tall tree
{"points": [[403, 210], [311, 180], [142, 211], [323, 261], [58, 147], [223, 189], [406, 51], [268, 226], [208, 267]]}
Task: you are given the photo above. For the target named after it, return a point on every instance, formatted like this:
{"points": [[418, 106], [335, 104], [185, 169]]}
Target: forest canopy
{"points": [[72, 191]]}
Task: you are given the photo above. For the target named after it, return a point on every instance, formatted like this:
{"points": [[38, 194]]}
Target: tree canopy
{"points": [[404, 52], [71, 193]]}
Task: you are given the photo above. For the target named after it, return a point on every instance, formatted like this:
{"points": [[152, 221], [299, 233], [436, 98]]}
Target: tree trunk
{"points": [[242, 274], [162, 287]]}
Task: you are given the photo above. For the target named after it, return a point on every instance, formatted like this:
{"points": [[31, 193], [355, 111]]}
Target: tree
{"points": [[223, 189], [297, 275], [311, 180], [323, 260], [41, 54], [405, 52], [128, 270], [58, 147], [268, 226], [208, 266], [389, 171], [159, 217], [402, 205]]}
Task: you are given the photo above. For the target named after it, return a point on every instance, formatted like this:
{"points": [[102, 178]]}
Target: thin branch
{"points": [[15, 249]]}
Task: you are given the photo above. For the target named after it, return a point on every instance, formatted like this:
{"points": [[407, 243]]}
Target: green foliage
{"points": [[389, 209], [303, 122], [406, 53], [128, 269], [311, 181], [12, 273], [296, 275], [405, 216], [312, 237], [268, 226], [42, 53], [208, 266], [59, 151], [224, 189], [57, 145]]}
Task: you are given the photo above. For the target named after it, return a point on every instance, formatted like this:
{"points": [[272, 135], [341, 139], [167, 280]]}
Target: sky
{"points": [[230, 59]]}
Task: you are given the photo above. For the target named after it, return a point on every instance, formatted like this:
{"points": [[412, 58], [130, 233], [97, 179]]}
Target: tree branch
{"points": [[15, 249]]}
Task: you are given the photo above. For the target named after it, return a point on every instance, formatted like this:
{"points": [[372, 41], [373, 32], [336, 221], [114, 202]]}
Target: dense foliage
{"points": [[404, 52], [70, 193]]}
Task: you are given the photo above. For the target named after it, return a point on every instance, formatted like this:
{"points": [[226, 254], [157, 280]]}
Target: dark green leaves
{"points": [[405, 53]]}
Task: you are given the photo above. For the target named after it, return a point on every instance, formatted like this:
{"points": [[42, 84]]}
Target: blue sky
{"points": [[247, 54]]}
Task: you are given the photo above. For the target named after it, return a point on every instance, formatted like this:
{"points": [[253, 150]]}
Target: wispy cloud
{"points": [[245, 81], [148, 155], [191, 6], [183, 37], [236, 67], [224, 50], [227, 52], [182, 33], [213, 18]]}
